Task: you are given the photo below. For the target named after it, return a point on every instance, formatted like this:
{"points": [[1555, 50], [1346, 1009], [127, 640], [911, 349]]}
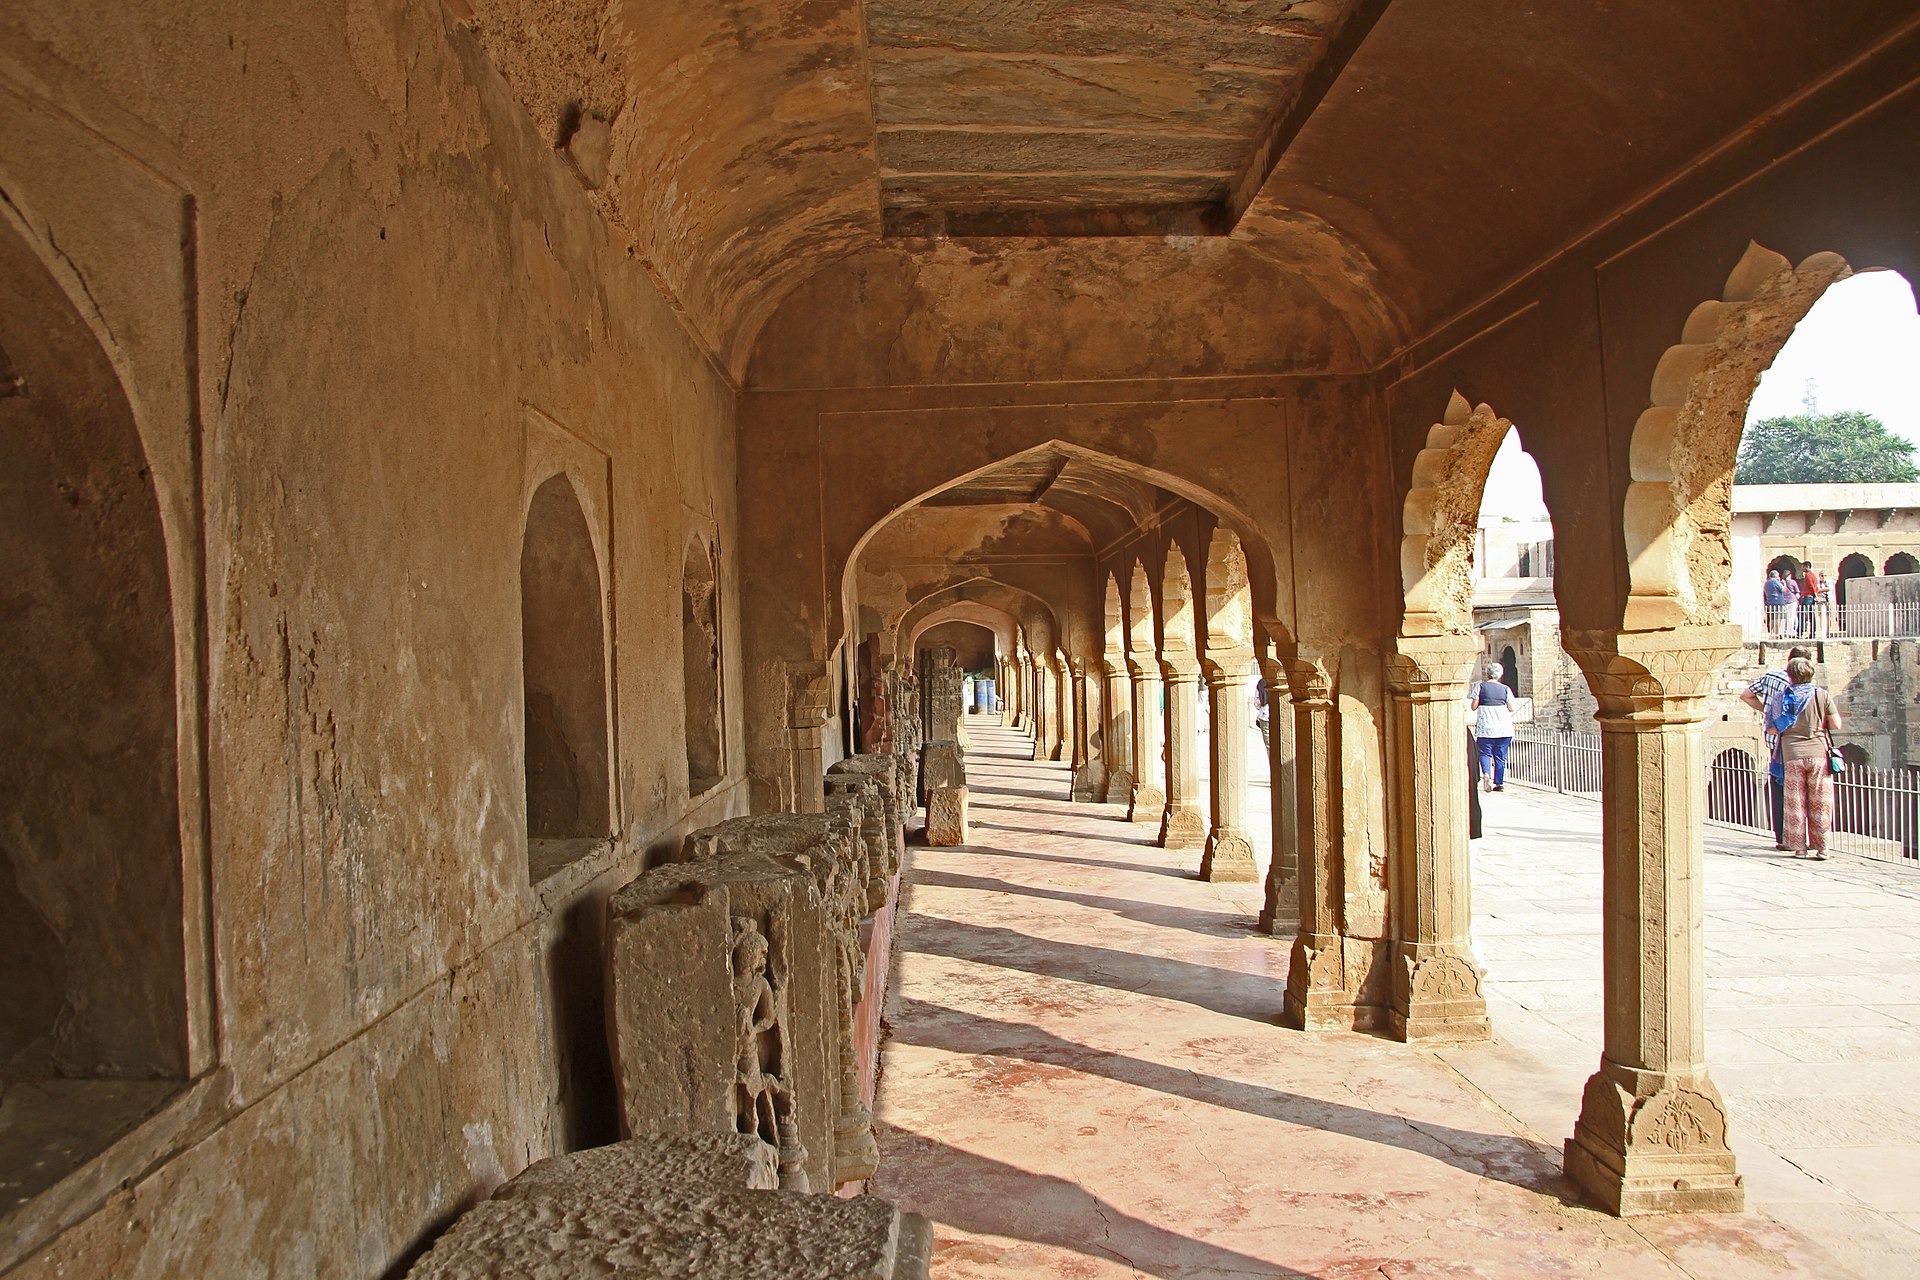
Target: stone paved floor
{"points": [[1084, 1077]]}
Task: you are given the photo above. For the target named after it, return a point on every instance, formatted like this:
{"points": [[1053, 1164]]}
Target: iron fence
{"points": [[1876, 811], [1564, 762]]}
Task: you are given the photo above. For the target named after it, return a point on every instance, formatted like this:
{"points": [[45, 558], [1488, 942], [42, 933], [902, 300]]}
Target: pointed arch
{"points": [[1140, 641], [1439, 516], [1229, 606], [1113, 623], [1677, 516], [1178, 633]]}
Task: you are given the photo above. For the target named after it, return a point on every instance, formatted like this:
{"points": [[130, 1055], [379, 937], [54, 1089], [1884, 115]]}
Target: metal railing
{"points": [[1876, 811], [1565, 762], [1895, 620]]}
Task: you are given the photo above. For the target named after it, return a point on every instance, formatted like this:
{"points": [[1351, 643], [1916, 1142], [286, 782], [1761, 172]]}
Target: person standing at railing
{"points": [[1809, 583], [1492, 705], [1774, 596], [1805, 722], [1763, 696]]}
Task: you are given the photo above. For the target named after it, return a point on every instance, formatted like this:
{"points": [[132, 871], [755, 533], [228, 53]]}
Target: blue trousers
{"points": [[1493, 758]]}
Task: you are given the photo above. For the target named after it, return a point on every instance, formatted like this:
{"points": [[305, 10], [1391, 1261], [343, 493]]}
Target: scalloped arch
{"points": [[1677, 515], [1439, 516]]}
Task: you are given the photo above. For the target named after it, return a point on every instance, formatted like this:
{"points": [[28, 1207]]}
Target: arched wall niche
{"points": [[700, 663], [1677, 515], [1439, 516], [563, 632], [94, 959]]}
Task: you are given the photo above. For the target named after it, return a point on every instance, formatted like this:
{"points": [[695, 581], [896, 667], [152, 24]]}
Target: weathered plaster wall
{"points": [[386, 268]]}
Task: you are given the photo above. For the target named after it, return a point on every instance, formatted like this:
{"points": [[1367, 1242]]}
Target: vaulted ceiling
{"points": [[1366, 167]]}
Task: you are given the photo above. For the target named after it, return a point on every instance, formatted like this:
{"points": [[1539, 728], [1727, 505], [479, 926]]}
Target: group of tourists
{"points": [[1797, 600], [1799, 718]]}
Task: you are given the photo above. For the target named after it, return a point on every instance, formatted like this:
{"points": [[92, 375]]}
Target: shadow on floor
{"points": [[1222, 924], [996, 851], [983, 1196], [1500, 1157], [1224, 991]]}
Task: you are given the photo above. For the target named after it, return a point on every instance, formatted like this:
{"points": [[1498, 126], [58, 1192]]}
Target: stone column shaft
{"points": [[1320, 985], [1280, 913], [1149, 799], [1436, 984], [1183, 825], [1652, 1134], [1229, 855], [1118, 705]]}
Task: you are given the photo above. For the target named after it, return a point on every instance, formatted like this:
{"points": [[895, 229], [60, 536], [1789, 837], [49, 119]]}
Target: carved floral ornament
{"points": [[1635, 673]]}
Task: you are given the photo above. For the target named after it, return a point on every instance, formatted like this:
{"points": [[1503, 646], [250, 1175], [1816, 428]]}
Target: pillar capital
{"points": [[1178, 668], [1432, 666], [1310, 680], [1223, 667], [1143, 667], [1643, 679]]}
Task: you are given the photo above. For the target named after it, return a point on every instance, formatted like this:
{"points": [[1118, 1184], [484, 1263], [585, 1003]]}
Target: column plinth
{"points": [[1436, 991], [1652, 1133], [1229, 852]]}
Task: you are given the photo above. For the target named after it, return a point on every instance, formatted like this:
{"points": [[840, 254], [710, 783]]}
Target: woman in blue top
{"points": [[1492, 705]]}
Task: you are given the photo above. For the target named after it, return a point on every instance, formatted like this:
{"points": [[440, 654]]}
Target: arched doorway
{"points": [[1851, 567], [1733, 793], [1510, 669], [1900, 562]]}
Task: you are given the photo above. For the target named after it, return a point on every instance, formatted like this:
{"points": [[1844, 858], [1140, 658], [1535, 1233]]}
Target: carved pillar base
{"points": [[1148, 803], [1436, 994], [1183, 826], [1090, 782], [1322, 988], [1652, 1142], [1228, 859], [1119, 786]]}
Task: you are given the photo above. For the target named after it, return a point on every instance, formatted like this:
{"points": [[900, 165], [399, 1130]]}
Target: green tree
{"points": [[1827, 448]]}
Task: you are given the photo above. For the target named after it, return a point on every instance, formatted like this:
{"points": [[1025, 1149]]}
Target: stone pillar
{"points": [[1321, 984], [1060, 704], [1118, 705], [1149, 798], [1229, 855], [1652, 1134], [1042, 714], [1436, 984], [807, 687], [1280, 912], [1089, 767], [1182, 825]]}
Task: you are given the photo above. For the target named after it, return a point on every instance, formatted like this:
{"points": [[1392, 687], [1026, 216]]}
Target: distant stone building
{"points": [[1846, 531]]}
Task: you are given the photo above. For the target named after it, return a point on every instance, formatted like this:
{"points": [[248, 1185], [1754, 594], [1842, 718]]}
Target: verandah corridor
{"points": [[1086, 1078]]}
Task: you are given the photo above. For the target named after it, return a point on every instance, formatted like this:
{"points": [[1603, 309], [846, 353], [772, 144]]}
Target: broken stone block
{"points": [[942, 764], [947, 816], [681, 1207], [827, 848], [719, 1007]]}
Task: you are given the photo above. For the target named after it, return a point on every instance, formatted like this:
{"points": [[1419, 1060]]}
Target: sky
{"points": [[1860, 344]]}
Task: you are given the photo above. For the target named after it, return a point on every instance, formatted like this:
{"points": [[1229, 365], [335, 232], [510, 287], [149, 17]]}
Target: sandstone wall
{"points": [[400, 309]]}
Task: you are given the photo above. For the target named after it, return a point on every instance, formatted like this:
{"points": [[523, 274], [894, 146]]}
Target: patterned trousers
{"points": [[1809, 804]]}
